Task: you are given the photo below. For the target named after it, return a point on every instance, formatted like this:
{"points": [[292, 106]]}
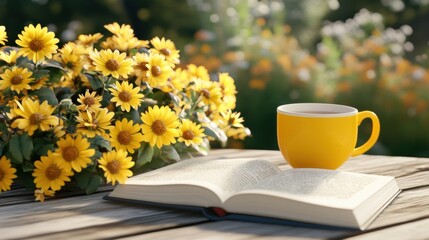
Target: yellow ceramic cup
{"points": [[319, 135]]}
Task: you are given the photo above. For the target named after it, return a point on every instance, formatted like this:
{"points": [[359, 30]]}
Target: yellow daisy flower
{"points": [[41, 194], [112, 63], [89, 101], [3, 35], [116, 166], [126, 136], [209, 91], [32, 116], [126, 96], [69, 56], [7, 173], [123, 30], [159, 70], [159, 126], [10, 57], [232, 119], [226, 83], [94, 123], [166, 48], [17, 79], [50, 174], [89, 40], [37, 43], [140, 68], [74, 152], [39, 83], [190, 133], [198, 72]]}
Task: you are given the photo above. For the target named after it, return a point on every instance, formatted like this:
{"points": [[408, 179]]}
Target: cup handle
{"points": [[374, 134]]}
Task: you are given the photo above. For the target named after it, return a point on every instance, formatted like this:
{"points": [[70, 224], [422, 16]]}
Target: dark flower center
{"points": [[188, 135], [112, 65], [17, 79], [36, 45], [53, 172], [142, 66], [156, 71], [89, 101], [165, 51], [205, 93], [124, 137], [158, 127], [36, 118], [114, 166], [70, 153], [124, 96]]}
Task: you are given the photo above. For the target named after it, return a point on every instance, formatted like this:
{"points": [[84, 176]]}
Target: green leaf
{"points": [[101, 142], [145, 155], [41, 148], [49, 63], [93, 184], [214, 131], [15, 149], [83, 178], [55, 75], [46, 94], [169, 154], [27, 166], [26, 144], [96, 83]]}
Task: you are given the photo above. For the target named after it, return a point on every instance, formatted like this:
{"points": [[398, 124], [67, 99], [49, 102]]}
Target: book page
{"points": [[322, 187], [223, 176]]}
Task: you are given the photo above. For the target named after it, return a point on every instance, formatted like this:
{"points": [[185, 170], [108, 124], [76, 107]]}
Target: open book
{"points": [[257, 189]]}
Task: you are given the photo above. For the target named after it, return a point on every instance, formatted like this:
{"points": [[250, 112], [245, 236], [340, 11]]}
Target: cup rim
{"points": [[303, 109]]}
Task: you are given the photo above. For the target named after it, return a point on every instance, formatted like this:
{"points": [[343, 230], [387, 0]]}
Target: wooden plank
{"points": [[408, 231], [409, 205], [75, 213], [233, 230]]}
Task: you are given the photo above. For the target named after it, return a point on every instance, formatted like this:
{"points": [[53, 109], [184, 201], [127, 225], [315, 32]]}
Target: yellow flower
{"points": [[32, 116], [94, 123], [126, 136], [7, 173], [69, 56], [41, 194], [232, 119], [116, 165], [89, 101], [3, 35], [112, 63], [210, 92], [159, 126], [226, 83], [10, 57], [50, 174], [198, 72], [89, 40], [159, 70], [166, 48], [125, 96], [74, 152], [17, 79], [37, 43], [123, 30], [190, 133], [140, 68]]}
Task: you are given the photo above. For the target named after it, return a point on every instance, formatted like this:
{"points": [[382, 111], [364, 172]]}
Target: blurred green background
{"points": [[370, 54]]}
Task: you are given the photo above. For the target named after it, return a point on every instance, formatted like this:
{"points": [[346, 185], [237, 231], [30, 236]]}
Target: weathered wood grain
{"points": [[408, 231], [75, 215], [233, 230]]}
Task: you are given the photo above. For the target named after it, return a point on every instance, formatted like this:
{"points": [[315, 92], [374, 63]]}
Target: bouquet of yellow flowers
{"points": [[98, 111]]}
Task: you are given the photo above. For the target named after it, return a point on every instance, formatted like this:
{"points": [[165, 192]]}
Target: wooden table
{"points": [[78, 216]]}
